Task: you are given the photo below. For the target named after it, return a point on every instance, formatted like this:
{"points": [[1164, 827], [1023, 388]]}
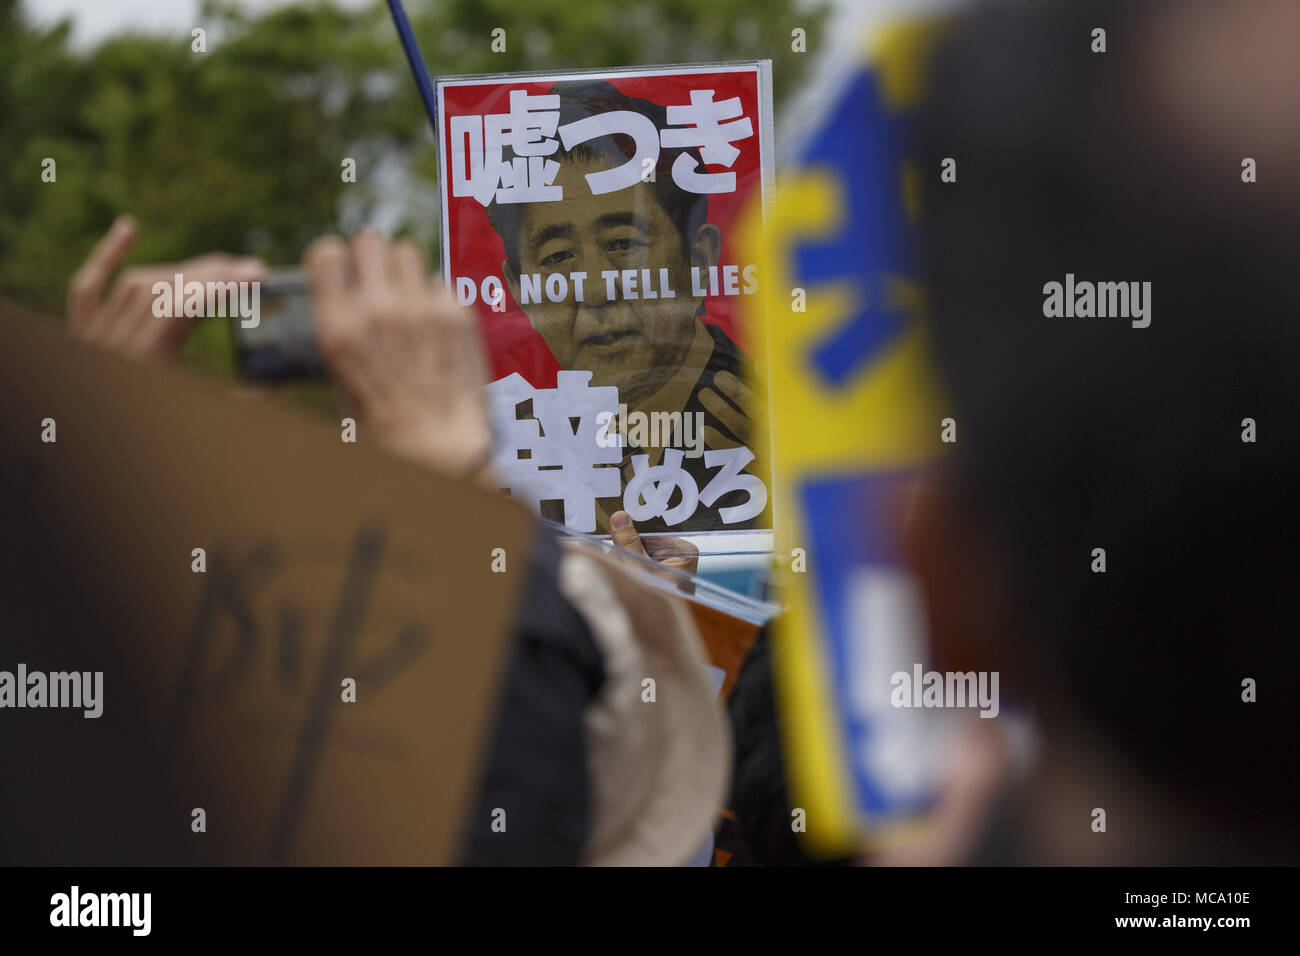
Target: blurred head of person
{"points": [[636, 344], [1084, 433]]}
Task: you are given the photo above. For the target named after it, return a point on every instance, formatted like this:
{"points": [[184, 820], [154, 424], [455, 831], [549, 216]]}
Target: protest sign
{"points": [[299, 640], [590, 219], [856, 413]]}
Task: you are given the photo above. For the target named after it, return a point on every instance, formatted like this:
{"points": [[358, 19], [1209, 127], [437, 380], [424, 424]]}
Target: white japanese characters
{"points": [[532, 132], [563, 452]]}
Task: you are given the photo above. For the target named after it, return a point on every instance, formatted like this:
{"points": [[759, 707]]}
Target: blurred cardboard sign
{"points": [[224, 690]]}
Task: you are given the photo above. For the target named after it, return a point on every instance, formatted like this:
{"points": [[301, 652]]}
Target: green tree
{"points": [[240, 148]]}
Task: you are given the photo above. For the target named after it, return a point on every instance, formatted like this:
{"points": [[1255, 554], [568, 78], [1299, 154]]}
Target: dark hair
{"points": [[1086, 432], [580, 99]]}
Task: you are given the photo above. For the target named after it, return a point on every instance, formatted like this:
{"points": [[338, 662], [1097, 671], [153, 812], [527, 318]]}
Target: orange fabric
{"points": [[726, 640]]}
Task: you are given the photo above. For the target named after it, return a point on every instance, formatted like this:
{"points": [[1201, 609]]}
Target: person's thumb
{"points": [[624, 533]]}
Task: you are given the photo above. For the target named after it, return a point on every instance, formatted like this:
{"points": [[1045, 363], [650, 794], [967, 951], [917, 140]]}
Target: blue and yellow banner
{"points": [[855, 411]]}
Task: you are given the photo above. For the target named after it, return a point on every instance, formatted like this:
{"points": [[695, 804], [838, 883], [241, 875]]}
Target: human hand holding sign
{"points": [[676, 553], [402, 349]]}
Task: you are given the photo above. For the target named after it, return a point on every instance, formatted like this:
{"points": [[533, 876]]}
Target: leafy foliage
{"points": [[239, 148]]}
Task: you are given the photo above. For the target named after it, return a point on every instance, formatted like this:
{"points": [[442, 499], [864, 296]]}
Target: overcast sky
{"points": [[95, 19]]}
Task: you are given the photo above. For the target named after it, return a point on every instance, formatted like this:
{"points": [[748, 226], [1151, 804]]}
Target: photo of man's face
{"points": [[635, 344]]}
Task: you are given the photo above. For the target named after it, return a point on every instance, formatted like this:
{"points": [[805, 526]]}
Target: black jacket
{"points": [[536, 765]]}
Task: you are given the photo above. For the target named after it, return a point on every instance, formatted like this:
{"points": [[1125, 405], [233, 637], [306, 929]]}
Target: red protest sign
{"points": [[592, 221]]}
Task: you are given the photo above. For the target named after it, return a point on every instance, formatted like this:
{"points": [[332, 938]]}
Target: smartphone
{"points": [[282, 346]]}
